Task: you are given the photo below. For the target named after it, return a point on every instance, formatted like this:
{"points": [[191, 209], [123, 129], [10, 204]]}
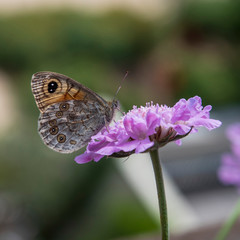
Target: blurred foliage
{"points": [[67, 38], [193, 51], [215, 19]]}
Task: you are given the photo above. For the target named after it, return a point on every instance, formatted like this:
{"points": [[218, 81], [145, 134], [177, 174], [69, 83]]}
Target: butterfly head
{"points": [[111, 110], [115, 104]]}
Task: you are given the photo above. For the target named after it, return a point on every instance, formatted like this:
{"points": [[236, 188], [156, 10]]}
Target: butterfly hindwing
{"points": [[68, 126]]}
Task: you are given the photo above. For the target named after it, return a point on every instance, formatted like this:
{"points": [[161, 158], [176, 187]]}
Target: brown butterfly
{"points": [[70, 113]]}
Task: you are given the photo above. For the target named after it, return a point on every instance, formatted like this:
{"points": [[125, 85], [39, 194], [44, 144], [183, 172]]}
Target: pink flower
{"points": [[149, 127], [229, 171]]}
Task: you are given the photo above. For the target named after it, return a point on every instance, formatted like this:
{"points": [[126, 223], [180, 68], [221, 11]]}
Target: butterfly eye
{"points": [[61, 138], [52, 87], [59, 114], [52, 122], [64, 106], [53, 130]]}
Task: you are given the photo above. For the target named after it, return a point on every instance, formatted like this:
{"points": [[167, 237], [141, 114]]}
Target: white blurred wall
{"points": [[8, 104], [147, 8]]}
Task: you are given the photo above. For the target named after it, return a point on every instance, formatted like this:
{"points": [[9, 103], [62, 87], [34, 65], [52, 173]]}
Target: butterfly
{"points": [[70, 113]]}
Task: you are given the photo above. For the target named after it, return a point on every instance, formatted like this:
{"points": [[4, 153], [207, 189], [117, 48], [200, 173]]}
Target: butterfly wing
{"points": [[49, 88], [70, 112], [68, 126]]}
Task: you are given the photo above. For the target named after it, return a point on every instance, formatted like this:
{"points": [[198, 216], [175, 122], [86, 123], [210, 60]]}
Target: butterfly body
{"points": [[70, 113]]}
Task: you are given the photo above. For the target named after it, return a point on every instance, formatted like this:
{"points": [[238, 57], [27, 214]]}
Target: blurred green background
{"points": [[191, 50]]}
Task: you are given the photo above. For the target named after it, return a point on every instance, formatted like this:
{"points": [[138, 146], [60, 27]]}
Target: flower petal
{"points": [[88, 157], [144, 145], [161, 124]]}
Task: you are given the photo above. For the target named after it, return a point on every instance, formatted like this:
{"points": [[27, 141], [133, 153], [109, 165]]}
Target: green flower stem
{"points": [[229, 223], [161, 193]]}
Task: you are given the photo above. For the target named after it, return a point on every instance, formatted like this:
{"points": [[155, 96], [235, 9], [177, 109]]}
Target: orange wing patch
{"points": [[48, 91], [76, 94]]}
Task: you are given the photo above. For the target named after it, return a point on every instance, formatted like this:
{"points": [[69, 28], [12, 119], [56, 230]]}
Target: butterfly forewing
{"points": [[49, 88]]}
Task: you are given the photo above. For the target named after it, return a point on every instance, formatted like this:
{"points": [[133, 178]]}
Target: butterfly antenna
{"points": [[125, 76], [118, 108]]}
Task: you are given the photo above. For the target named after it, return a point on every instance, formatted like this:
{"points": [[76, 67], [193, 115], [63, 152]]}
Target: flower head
{"points": [[229, 171], [145, 128]]}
